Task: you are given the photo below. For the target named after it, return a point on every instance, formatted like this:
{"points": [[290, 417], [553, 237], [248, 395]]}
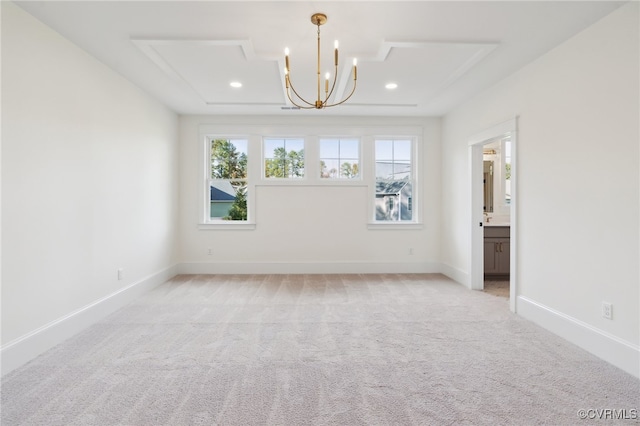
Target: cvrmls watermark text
{"points": [[608, 414]]}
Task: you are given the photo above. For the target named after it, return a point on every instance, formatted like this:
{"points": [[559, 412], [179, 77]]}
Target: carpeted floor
{"points": [[498, 288], [315, 350]]}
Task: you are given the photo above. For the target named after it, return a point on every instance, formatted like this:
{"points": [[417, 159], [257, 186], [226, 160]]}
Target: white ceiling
{"points": [[439, 53]]}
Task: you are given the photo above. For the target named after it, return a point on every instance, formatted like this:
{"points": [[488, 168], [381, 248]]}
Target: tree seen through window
{"points": [[284, 158], [228, 179], [339, 158]]}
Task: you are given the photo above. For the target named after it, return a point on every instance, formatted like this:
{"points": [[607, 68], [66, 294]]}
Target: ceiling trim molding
{"points": [[484, 49], [386, 46], [146, 46]]}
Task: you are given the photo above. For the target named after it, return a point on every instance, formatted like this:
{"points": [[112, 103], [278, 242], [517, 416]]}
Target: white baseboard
{"points": [[616, 351], [458, 275], [27, 347], [308, 267], [612, 349]]}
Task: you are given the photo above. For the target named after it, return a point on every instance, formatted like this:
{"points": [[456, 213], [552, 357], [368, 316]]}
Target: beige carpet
{"points": [[315, 350]]}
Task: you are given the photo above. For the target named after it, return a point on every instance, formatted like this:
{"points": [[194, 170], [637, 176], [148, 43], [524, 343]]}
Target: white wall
{"points": [[89, 165], [309, 229], [90, 172], [577, 185]]}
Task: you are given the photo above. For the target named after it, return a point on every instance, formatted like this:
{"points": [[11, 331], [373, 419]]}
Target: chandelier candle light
{"points": [[318, 19]]}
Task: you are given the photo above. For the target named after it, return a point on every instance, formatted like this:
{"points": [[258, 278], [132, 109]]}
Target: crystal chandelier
{"points": [[317, 19]]}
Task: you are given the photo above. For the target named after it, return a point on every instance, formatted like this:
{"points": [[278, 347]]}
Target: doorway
{"points": [[495, 212]]}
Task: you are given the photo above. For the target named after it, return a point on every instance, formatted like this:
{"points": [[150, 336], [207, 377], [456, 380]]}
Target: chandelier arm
{"points": [[298, 96], [297, 105], [347, 98]]}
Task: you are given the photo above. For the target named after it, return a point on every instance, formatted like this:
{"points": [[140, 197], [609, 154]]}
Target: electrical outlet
{"points": [[209, 252], [411, 251], [120, 274], [607, 310]]}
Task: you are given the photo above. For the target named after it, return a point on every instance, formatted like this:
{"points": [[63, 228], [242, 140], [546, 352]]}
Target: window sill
{"points": [[227, 226], [311, 182], [394, 225]]}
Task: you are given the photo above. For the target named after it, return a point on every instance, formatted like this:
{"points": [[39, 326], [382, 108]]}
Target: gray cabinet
{"points": [[496, 250]]}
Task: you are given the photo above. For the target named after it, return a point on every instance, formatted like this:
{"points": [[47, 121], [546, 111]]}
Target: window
{"points": [[228, 179], [283, 158], [339, 159], [348, 166], [394, 180]]}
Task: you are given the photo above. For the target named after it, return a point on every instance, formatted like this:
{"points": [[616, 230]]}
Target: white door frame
{"points": [[507, 128]]}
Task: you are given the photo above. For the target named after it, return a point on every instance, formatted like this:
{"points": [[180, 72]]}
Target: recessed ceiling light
{"points": [[391, 86], [235, 84]]}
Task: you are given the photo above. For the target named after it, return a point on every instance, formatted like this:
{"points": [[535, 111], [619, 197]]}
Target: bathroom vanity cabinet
{"points": [[496, 250]]}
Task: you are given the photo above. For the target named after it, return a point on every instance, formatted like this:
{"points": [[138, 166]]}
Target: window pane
{"points": [[394, 200], [339, 158], [228, 158], [384, 169], [228, 200], [270, 145], [393, 159], [401, 170], [384, 150], [329, 148], [350, 169], [394, 184], [284, 158], [294, 144], [402, 150], [329, 168], [349, 148]]}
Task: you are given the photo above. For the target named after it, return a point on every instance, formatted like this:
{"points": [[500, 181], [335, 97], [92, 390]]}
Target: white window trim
{"points": [[381, 225], [416, 179], [333, 181], [228, 225], [204, 221], [255, 135], [288, 180]]}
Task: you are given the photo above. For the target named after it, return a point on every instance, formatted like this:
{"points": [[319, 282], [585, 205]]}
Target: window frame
{"points": [[414, 180], [206, 221], [263, 160], [333, 180], [310, 134]]}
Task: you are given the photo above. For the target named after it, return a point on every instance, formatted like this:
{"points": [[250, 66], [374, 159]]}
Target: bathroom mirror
{"points": [[496, 156], [488, 186]]}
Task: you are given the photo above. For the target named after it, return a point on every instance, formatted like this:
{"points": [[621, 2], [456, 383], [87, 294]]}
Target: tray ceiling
{"points": [[439, 54]]}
